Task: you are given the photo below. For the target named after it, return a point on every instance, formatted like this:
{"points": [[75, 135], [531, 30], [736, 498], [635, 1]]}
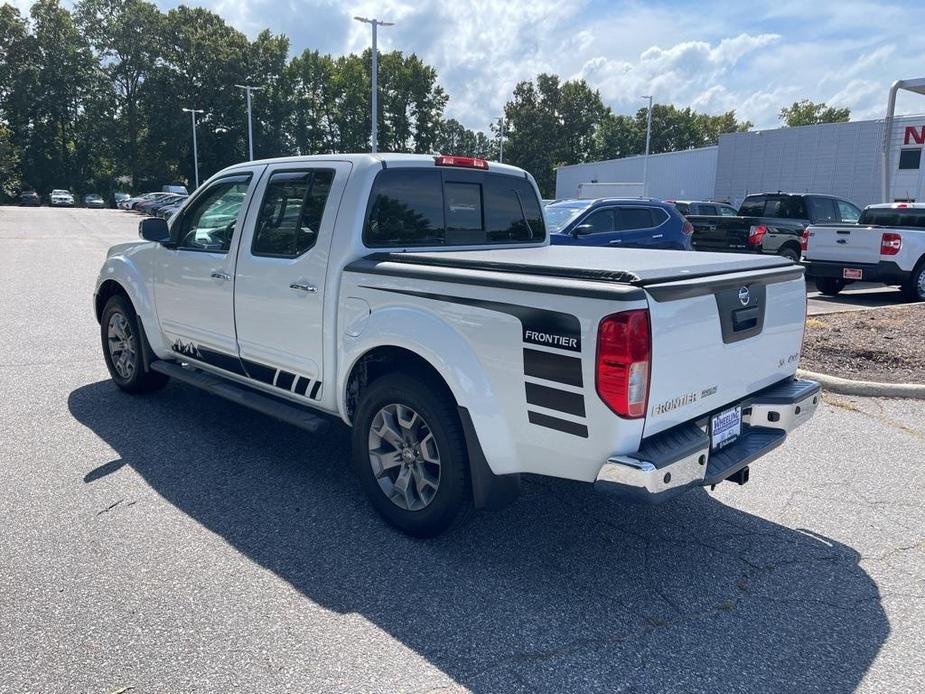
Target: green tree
{"points": [[807, 112], [312, 122], [126, 37]]}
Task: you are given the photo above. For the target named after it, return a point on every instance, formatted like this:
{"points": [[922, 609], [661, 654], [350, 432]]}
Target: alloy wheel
{"points": [[404, 457], [121, 342]]}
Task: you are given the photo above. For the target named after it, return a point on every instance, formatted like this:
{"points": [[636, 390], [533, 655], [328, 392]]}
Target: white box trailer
{"points": [[592, 191]]}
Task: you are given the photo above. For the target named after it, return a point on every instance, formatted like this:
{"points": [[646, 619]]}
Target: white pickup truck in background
{"points": [[417, 298], [886, 245]]}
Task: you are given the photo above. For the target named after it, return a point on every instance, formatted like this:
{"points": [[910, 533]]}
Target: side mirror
{"points": [[154, 229], [582, 229]]}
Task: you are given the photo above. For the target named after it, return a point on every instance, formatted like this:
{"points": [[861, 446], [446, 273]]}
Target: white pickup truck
{"points": [[886, 245], [418, 299]]}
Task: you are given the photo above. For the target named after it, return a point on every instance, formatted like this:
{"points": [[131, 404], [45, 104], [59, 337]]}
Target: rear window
{"points": [[420, 207], [895, 217], [628, 218]]}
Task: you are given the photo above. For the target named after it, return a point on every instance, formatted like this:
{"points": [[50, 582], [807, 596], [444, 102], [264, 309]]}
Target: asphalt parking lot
{"points": [[177, 543]]}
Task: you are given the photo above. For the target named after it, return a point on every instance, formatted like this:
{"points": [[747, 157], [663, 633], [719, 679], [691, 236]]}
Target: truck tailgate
{"points": [[717, 339], [714, 233], [848, 243]]}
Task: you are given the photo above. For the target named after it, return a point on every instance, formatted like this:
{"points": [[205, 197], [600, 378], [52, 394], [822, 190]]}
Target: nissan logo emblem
{"points": [[744, 296]]}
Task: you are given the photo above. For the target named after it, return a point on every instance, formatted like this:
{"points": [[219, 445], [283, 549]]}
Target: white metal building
{"points": [[843, 159], [688, 175]]}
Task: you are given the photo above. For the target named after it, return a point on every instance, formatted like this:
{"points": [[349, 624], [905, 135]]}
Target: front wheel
{"points": [[120, 331], [830, 286], [410, 455]]}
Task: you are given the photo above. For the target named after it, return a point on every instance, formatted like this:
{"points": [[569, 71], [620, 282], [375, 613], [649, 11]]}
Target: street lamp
{"points": [[193, 112], [374, 137], [250, 130], [501, 142], [645, 162]]}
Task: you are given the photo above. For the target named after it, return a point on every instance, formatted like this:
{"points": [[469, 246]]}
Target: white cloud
{"points": [[711, 55]]}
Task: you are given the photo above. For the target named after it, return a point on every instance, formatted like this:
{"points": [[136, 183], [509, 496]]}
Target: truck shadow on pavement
{"points": [[566, 590]]}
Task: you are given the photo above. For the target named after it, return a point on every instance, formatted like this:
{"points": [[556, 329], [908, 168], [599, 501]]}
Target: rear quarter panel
{"points": [[480, 340]]}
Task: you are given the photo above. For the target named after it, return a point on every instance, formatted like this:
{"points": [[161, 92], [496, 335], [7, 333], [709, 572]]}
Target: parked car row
{"points": [[60, 197], [159, 204]]}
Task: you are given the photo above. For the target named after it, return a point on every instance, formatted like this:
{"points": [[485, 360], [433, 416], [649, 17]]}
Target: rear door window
{"points": [[291, 213], [785, 207], [707, 210], [432, 207], [629, 218]]}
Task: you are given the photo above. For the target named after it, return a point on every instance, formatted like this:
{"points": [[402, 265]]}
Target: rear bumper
{"points": [[676, 460], [885, 271]]}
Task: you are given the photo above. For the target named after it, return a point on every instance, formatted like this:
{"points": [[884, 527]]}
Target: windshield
{"points": [[559, 215], [59, 192]]}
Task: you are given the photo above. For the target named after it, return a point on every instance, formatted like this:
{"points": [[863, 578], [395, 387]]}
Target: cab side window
{"points": [[291, 213], [209, 223]]}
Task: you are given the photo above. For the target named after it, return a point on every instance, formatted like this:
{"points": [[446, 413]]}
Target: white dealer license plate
{"points": [[725, 427], [852, 273]]}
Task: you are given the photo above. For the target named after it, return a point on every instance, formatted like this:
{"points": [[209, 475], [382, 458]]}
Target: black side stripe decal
{"points": [[259, 372], [284, 380], [247, 368], [539, 326], [556, 399], [562, 425], [553, 367]]}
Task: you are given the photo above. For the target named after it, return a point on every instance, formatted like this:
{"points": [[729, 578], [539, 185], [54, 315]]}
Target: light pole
{"points": [[645, 162], [374, 135], [501, 143], [193, 112], [250, 130]]}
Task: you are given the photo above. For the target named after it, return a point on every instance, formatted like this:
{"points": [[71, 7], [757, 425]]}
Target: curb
{"points": [[870, 389]]}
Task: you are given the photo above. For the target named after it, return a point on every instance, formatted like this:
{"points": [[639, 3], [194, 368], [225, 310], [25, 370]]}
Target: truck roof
{"points": [[364, 161], [896, 206]]}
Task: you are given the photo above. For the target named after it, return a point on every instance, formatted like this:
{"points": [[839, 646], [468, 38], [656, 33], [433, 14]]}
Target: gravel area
{"points": [[880, 345]]}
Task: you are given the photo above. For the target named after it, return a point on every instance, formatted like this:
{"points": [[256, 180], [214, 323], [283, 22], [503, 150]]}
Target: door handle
{"points": [[219, 275], [616, 241], [304, 287], [657, 236]]}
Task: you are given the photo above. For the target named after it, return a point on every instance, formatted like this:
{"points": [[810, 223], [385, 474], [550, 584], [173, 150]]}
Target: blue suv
{"points": [[618, 223]]}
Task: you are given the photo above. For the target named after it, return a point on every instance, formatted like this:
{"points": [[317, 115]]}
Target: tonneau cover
{"points": [[634, 266]]}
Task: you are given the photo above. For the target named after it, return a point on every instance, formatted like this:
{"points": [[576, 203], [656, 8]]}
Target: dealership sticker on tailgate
{"points": [[852, 273], [725, 427]]}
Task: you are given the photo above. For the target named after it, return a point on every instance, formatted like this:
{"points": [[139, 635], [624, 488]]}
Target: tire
{"points": [[403, 492], [830, 286], [914, 287], [789, 253], [121, 335]]}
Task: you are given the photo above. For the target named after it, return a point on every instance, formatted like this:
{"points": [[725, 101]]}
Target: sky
{"points": [[755, 56]]}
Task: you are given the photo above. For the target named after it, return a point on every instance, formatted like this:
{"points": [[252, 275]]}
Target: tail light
{"points": [[624, 352], [756, 233], [464, 162], [804, 240], [890, 244], [687, 228]]}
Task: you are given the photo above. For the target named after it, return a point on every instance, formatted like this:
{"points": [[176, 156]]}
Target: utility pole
{"points": [[645, 162], [374, 135], [193, 112], [250, 129]]}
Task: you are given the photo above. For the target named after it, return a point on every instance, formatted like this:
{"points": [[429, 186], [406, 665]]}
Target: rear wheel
{"points": [[914, 288], [410, 455], [789, 253], [121, 334], [830, 286]]}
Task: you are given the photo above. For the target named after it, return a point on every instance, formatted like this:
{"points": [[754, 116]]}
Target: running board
{"points": [[242, 395]]}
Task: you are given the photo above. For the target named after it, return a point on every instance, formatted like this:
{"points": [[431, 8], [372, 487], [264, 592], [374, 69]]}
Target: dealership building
{"points": [[843, 159]]}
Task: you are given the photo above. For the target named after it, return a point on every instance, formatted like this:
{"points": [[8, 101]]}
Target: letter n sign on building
{"points": [[914, 135]]}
